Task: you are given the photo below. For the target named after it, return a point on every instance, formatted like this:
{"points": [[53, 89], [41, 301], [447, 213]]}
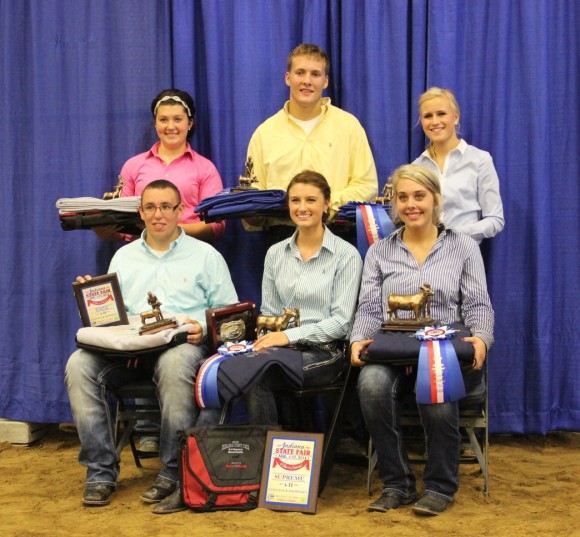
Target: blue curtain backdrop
{"points": [[76, 81]]}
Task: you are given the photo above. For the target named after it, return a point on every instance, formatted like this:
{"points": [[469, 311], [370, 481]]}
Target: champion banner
{"points": [[439, 378], [206, 383], [372, 224]]}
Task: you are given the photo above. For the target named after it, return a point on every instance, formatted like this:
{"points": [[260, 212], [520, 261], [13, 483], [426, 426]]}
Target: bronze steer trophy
{"points": [[160, 323], [117, 192], [245, 181], [386, 195], [276, 323], [419, 304]]}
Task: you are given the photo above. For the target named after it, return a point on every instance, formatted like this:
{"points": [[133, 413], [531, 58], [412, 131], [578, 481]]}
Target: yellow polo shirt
{"points": [[337, 148]]}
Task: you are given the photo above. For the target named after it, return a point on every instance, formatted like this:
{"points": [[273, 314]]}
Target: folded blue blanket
{"points": [[238, 374], [348, 210], [402, 348], [228, 202]]}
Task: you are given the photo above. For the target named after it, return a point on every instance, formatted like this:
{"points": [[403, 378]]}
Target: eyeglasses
{"points": [[165, 208]]}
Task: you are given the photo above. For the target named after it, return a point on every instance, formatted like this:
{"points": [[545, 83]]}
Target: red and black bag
{"points": [[221, 466]]}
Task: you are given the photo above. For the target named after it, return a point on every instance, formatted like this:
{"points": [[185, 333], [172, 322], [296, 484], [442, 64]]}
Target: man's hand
{"points": [[86, 278], [195, 334], [108, 233]]}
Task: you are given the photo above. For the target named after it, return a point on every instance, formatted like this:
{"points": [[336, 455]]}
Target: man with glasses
{"points": [[188, 276]]}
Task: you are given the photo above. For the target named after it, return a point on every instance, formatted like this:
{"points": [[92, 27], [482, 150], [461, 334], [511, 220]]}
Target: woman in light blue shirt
{"points": [[318, 273], [470, 185]]}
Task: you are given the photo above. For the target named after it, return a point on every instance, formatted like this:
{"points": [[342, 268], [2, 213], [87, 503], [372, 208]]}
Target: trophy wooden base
{"points": [[408, 325], [242, 189], [153, 328]]}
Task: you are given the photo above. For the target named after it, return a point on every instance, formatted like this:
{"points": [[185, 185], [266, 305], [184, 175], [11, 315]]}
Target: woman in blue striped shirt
{"points": [[318, 273], [423, 250]]}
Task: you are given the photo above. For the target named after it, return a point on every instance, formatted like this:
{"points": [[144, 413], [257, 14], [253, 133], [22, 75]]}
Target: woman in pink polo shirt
{"points": [[172, 158], [196, 177]]}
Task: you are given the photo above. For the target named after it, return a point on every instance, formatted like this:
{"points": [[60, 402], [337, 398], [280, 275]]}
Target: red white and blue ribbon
{"points": [[372, 224], [439, 378], [206, 382]]}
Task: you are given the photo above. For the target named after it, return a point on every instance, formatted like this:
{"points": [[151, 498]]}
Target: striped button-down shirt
{"points": [[324, 288], [454, 269]]}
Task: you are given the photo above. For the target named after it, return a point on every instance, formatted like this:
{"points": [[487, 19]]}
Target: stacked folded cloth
{"points": [[87, 213], [229, 203], [238, 374], [129, 204], [348, 210]]}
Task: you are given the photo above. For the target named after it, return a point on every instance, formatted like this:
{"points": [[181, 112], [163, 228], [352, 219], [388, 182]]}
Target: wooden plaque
{"points": [[100, 301], [220, 319], [291, 471]]}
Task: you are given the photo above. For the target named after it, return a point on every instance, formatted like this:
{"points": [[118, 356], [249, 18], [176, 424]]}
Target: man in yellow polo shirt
{"points": [[311, 133]]}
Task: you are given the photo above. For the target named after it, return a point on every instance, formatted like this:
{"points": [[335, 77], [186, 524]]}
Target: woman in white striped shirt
{"points": [[421, 251], [318, 273]]}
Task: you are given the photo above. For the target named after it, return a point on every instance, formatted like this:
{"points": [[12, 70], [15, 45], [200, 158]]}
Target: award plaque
{"points": [[230, 324], [100, 301], [291, 471]]}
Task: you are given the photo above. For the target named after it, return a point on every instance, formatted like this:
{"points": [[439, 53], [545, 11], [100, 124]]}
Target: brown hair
{"points": [[309, 177], [160, 184]]}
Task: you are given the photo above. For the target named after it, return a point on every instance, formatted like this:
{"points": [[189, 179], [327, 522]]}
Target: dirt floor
{"points": [[534, 491]]}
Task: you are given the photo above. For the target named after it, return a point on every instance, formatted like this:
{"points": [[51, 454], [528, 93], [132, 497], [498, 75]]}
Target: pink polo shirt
{"points": [[195, 176]]}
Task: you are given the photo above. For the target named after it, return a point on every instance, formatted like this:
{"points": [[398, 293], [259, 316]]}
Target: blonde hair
{"points": [[426, 178], [431, 93], [308, 49]]}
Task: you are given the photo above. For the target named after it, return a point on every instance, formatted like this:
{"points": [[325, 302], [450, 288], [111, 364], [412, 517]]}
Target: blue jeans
{"points": [[320, 367], [380, 388], [89, 375]]}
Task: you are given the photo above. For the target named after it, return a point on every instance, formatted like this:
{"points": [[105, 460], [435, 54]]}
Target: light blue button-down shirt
{"points": [[470, 186], [189, 278], [325, 288]]}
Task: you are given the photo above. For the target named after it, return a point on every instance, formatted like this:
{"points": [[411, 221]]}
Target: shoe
{"points": [[97, 494], [160, 489], [431, 505], [149, 446], [172, 504], [391, 500]]}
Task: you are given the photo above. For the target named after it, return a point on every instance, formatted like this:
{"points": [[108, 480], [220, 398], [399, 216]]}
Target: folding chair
{"points": [[342, 388], [473, 424], [128, 412]]}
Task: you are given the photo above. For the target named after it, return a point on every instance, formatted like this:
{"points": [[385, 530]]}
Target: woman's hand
{"points": [[356, 349], [108, 233], [480, 350], [271, 339], [80, 279], [195, 334]]}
